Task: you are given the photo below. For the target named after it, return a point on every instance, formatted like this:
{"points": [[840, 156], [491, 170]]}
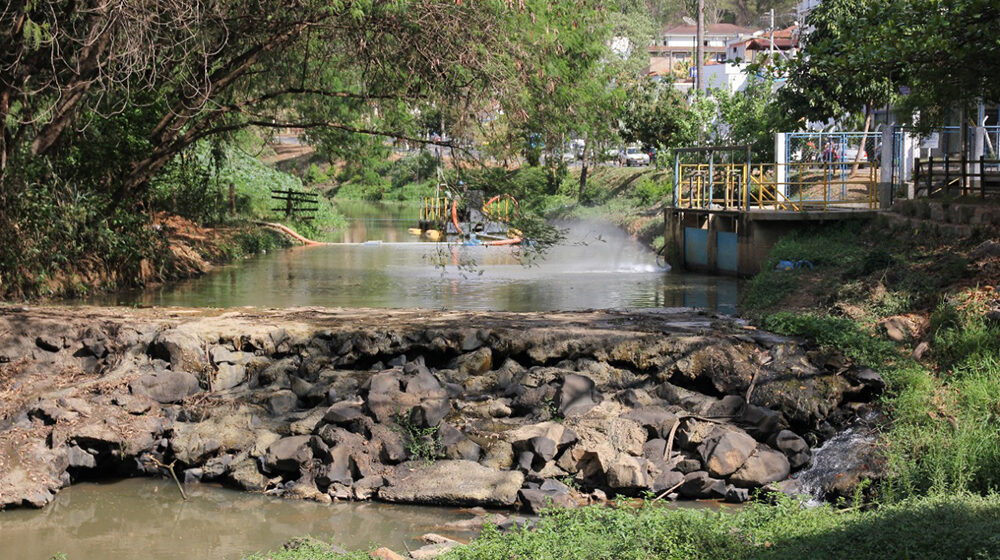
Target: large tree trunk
{"points": [[583, 169]]}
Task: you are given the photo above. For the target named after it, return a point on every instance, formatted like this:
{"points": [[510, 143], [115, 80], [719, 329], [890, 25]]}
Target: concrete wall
{"points": [[710, 252]]}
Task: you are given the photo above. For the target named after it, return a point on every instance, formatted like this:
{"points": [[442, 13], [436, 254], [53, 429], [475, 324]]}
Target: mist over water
{"points": [[597, 266]]}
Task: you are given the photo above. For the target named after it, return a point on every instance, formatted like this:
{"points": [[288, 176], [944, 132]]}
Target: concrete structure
{"points": [[729, 76], [735, 242]]}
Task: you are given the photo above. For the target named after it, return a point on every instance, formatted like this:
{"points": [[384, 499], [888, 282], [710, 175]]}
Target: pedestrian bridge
{"points": [[725, 216]]}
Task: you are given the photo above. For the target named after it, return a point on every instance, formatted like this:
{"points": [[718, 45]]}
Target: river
{"points": [[379, 264], [147, 519]]}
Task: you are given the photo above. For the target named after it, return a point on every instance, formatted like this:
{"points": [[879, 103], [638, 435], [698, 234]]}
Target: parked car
{"points": [[851, 153], [633, 155]]}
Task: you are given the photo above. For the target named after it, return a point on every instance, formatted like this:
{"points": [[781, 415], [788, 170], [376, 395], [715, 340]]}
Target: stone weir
{"points": [[493, 409]]}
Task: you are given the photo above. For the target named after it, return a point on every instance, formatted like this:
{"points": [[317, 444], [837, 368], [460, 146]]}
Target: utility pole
{"points": [[700, 47], [770, 49]]}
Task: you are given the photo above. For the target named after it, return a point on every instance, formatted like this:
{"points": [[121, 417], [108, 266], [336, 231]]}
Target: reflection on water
{"points": [[375, 220], [144, 518], [597, 267]]}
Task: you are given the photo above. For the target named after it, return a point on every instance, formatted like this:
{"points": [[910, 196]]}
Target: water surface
{"points": [[147, 519], [596, 267]]}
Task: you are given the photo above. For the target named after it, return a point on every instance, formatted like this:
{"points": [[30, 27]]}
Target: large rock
{"points": [[246, 475], [228, 376], [343, 413], [288, 454], [424, 399], [725, 451], [576, 396], [628, 473], [551, 493], [165, 386], [693, 433], [667, 480], [473, 363], [497, 454], [451, 482], [181, 349], [722, 363], [537, 444], [657, 420], [390, 445], [699, 484], [589, 458], [625, 435], [193, 442], [456, 445], [761, 422], [764, 465], [794, 447]]}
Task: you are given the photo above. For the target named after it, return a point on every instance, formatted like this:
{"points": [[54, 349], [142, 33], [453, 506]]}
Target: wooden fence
{"points": [[960, 176], [298, 205]]}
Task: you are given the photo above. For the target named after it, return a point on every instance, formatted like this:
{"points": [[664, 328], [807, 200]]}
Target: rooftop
{"points": [[713, 29]]}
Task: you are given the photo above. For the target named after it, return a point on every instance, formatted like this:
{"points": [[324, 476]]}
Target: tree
{"points": [[97, 96], [748, 13], [657, 115], [859, 54], [948, 55], [832, 77]]}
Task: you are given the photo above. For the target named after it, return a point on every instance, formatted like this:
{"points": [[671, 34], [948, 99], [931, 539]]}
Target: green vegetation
{"points": [[93, 143], [861, 52], [421, 443], [196, 185], [942, 437], [408, 179], [940, 527]]}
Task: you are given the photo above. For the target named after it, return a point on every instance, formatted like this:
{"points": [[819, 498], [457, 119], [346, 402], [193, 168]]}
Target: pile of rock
{"points": [[528, 411]]}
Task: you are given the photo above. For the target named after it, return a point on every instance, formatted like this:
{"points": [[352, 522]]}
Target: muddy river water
{"points": [[377, 263], [147, 519]]}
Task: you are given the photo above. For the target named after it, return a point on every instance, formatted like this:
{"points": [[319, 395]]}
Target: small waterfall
{"points": [[841, 455]]}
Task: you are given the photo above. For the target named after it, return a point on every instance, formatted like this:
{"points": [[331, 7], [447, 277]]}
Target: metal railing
{"points": [[777, 187]]}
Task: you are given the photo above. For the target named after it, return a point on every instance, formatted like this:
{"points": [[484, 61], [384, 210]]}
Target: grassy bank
{"points": [[931, 528], [65, 245], [631, 198], [913, 306]]}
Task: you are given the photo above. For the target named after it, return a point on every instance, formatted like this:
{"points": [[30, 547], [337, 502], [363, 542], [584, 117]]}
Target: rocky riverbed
{"points": [[492, 409]]}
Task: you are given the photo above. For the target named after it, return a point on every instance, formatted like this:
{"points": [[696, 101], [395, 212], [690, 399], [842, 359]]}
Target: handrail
{"points": [[739, 186]]}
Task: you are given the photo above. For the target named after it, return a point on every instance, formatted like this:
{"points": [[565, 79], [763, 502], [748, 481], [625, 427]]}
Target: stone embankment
{"points": [[493, 409]]}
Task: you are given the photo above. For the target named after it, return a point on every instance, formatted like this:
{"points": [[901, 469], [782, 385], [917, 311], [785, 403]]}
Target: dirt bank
{"points": [[417, 406]]}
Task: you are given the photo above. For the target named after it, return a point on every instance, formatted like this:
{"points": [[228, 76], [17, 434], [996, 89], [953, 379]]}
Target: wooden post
{"points": [[947, 173], [232, 199], [982, 177], [930, 172], [965, 174]]}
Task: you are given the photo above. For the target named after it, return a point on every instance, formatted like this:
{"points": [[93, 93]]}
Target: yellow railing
{"points": [[818, 185], [435, 209]]}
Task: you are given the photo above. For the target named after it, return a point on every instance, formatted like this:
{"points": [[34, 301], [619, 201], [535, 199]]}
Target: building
{"points": [[804, 7], [783, 42], [673, 54]]}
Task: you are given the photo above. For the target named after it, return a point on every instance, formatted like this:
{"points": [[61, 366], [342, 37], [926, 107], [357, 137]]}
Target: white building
{"points": [[804, 7], [674, 53]]}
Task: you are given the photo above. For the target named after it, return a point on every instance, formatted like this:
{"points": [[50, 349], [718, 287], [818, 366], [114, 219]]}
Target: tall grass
{"points": [[943, 527]]}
